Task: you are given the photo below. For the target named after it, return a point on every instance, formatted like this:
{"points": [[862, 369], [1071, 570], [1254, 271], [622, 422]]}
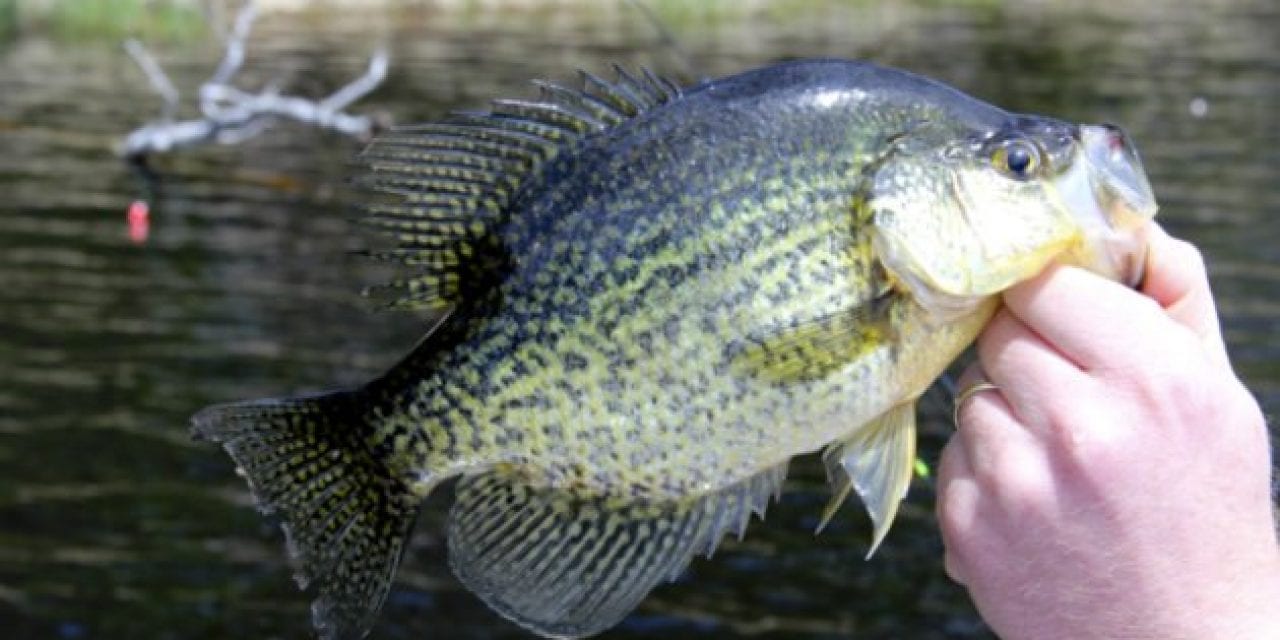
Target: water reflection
{"points": [[113, 524]]}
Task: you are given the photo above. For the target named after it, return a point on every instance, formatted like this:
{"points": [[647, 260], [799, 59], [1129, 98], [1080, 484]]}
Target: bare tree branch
{"points": [[156, 76], [233, 57], [357, 89], [231, 115]]}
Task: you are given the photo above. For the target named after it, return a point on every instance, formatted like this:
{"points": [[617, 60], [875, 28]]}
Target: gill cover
{"points": [[958, 216]]}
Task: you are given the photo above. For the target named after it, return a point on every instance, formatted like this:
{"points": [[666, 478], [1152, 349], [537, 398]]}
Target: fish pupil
{"points": [[1018, 159]]}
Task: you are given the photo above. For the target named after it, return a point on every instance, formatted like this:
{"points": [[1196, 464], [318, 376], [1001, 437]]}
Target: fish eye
{"points": [[1017, 158]]}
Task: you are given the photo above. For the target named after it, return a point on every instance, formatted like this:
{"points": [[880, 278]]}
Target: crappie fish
{"points": [[652, 299]]}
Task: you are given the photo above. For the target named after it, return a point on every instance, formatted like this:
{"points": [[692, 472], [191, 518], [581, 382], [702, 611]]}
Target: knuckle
{"points": [[956, 510], [1022, 491], [1192, 399], [1176, 383], [954, 520], [1011, 475], [1190, 257], [1237, 411], [1066, 414], [1177, 390], [1149, 310], [1090, 442], [1070, 420], [1096, 454]]}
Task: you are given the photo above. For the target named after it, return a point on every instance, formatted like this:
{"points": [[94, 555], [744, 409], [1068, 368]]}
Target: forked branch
{"points": [[230, 115]]}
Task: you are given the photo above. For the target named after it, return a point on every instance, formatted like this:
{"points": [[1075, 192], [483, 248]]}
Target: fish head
{"points": [[959, 214]]}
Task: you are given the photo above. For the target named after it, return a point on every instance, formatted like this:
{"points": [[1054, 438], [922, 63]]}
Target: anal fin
{"points": [[563, 564], [876, 462]]}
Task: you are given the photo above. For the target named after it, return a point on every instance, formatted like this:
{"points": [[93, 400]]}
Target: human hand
{"points": [[1117, 484]]}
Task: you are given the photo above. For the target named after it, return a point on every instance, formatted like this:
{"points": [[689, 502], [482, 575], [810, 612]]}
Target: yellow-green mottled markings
{"points": [[598, 385]]}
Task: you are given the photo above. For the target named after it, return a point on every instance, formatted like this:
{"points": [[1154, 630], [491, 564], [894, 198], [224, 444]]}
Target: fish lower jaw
{"points": [[1119, 255], [940, 307]]}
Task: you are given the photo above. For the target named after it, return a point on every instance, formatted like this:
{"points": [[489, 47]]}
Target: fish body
{"points": [[652, 299]]}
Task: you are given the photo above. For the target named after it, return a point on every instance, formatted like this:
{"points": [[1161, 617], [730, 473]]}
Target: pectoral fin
{"points": [[813, 349], [876, 461]]}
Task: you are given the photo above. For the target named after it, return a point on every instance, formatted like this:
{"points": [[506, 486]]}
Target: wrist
{"points": [[1249, 608]]}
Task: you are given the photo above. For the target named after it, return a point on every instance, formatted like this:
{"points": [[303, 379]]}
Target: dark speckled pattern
{"points": [[635, 260]]}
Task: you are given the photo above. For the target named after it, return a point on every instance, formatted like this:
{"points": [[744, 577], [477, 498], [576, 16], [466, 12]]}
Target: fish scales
{"points": [[617, 253], [653, 299]]}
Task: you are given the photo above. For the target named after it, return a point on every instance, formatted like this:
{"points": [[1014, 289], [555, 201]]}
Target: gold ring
{"points": [[965, 394]]}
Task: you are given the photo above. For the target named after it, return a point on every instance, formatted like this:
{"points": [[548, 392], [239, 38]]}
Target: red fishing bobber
{"points": [[139, 218]]}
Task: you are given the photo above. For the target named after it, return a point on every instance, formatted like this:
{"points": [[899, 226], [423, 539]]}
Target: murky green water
{"points": [[114, 525]]}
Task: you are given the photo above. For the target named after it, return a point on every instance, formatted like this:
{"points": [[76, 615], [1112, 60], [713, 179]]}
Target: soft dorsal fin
{"points": [[440, 188]]}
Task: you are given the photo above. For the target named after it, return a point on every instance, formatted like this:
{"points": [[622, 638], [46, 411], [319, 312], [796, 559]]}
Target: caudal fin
{"points": [[345, 515]]}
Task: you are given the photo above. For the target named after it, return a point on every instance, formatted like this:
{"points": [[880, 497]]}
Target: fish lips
{"points": [[1120, 188], [1118, 175]]}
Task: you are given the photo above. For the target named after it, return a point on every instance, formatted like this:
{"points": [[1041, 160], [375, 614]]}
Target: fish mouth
{"points": [[1124, 199], [1130, 258], [1119, 181]]}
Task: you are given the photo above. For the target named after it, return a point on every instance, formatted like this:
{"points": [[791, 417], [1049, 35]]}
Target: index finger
{"points": [[1176, 278], [1089, 319]]}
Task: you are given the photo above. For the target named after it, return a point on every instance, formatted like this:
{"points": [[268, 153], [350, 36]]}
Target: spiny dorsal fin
{"points": [[440, 188]]}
